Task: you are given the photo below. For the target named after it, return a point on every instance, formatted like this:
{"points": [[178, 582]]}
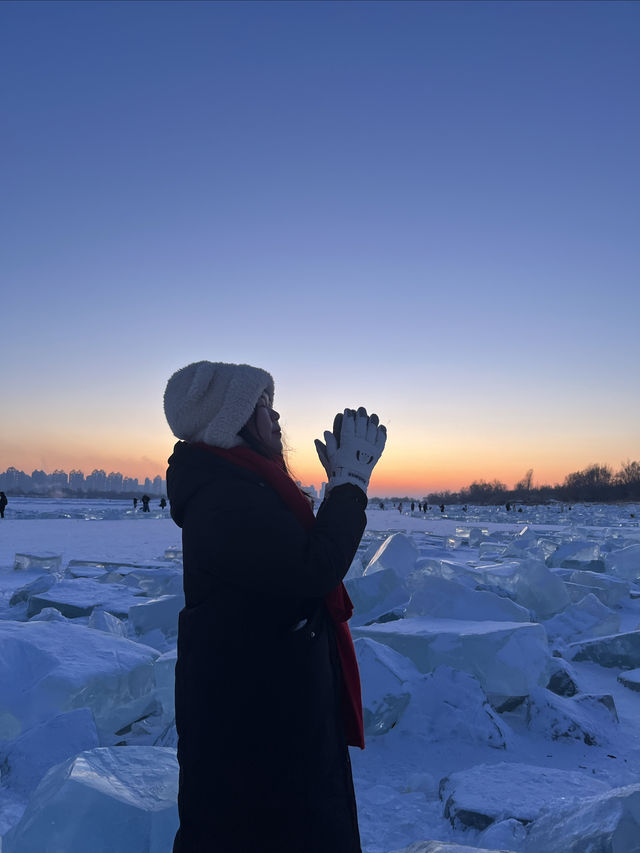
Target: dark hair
{"points": [[258, 446]]}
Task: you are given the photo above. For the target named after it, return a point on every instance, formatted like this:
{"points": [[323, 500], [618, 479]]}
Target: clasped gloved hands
{"points": [[352, 449]]}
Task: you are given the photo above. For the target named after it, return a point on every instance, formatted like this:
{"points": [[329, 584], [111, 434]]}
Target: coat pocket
{"points": [[308, 629]]}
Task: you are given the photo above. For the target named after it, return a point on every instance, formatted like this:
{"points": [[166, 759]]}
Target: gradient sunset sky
{"points": [[430, 209]]}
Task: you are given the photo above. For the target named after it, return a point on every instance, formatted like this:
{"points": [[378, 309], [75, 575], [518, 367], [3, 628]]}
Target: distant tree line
{"points": [[596, 483]]}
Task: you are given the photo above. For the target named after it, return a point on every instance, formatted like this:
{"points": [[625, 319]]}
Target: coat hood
{"points": [[190, 469]]}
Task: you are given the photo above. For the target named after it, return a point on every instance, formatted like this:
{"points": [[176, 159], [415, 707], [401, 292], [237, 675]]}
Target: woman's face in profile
{"points": [[264, 424]]}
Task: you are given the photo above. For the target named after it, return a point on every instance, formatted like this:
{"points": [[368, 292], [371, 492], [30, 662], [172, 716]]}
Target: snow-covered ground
{"points": [[499, 654]]}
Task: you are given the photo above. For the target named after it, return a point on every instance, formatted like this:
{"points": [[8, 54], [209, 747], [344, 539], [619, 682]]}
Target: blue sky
{"points": [[427, 208]]}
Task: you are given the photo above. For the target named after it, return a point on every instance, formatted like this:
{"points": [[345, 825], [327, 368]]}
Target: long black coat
{"points": [[263, 761]]}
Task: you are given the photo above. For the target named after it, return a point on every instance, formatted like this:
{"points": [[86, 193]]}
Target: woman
{"points": [[267, 689]]}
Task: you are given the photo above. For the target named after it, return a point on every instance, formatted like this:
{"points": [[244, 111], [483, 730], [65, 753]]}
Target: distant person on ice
{"points": [[163, 503], [145, 503], [267, 686], [3, 503], [135, 503]]}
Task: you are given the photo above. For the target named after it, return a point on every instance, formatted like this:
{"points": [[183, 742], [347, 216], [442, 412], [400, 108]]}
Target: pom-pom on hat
{"points": [[211, 401]]}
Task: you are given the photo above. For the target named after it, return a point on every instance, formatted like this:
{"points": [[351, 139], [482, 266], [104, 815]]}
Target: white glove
{"points": [[352, 449]]}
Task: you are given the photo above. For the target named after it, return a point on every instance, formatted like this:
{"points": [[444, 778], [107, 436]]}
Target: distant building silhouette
{"points": [[114, 481], [76, 481], [40, 483]]}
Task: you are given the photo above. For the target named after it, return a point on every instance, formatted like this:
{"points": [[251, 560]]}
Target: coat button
{"points": [[312, 634]]}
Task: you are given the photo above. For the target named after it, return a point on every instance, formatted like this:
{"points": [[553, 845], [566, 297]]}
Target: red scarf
{"points": [[337, 602]]}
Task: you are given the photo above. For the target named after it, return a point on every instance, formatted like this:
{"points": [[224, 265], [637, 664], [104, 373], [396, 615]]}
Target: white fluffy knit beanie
{"points": [[211, 401]]}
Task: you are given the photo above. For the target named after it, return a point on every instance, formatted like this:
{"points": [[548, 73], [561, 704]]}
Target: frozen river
{"points": [[500, 662]]}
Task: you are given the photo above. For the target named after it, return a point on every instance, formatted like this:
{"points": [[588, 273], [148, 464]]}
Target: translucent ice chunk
{"points": [[471, 535], [386, 685], [399, 552], [164, 674], [79, 596], [504, 834], [588, 618], [524, 540], [492, 550], [30, 756], [47, 562], [156, 581], [454, 707], [480, 795], [376, 594], [530, 583], [621, 651], [174, 553], [445, 847], [625, 563], [507, 658], [161, 613], [607, 822], [630, 679], [102, 620], [610, 591], [40, 584], [103, 800], [445, 599], [577, 554], [50, 667], [49, 614], [585, 717]]}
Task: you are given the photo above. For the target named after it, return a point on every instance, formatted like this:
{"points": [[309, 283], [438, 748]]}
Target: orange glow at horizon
{"points": [[449, 474], [401, 478], [402, 470], [149, 463]]}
